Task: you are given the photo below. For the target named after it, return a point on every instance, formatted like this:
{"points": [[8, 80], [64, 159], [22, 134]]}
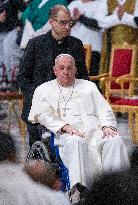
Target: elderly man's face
{"points": [[61, 25], [65, 70], [3, 16]]}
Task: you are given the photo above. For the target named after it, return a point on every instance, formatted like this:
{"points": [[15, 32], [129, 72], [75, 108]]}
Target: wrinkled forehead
{"points": [[63, 14], [64, 58]]}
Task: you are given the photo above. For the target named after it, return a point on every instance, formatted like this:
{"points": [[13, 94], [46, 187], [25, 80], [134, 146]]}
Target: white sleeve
{"points": [[128, 19], [103, 109], [105, 20], [42, 112]]}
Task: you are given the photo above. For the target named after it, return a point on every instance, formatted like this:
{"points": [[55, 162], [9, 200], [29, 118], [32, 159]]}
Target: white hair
{"points": [[64, 54]]}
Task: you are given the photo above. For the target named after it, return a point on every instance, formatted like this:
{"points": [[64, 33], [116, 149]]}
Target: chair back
{"points": [[88, 53], [122, 64]]}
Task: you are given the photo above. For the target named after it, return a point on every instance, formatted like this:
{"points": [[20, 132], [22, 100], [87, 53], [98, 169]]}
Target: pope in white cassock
{"points": [[83, 123]]}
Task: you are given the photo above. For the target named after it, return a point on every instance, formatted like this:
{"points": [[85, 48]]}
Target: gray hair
{"points": [[55, 9], [65, 54]]}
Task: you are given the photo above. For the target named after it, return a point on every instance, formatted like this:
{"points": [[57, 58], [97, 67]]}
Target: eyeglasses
{"points": [[64, 22]]}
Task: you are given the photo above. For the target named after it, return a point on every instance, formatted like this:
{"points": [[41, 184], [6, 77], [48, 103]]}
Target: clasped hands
{"points": [[77, 14], [120, 11]]}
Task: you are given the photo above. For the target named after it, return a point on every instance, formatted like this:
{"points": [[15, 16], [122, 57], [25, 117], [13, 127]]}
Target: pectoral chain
{"points": [[66, 102]]}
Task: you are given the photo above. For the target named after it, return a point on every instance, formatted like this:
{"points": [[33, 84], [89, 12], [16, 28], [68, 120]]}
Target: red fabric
{"points": [[114, 98], [122, 61], [132, 102]]}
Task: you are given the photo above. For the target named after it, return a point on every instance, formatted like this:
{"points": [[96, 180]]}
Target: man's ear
{"points": [[76, 72], [54, 69]]}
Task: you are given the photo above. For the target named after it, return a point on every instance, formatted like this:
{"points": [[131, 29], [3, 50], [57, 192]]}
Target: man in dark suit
{"points": [[36, 65]]}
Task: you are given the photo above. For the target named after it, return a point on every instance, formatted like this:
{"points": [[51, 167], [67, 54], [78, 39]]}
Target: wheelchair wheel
{"points": [[38, 151], [43, 151]]}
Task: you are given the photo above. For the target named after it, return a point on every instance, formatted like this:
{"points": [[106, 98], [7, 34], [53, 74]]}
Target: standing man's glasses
{"points": [[64, 22]]}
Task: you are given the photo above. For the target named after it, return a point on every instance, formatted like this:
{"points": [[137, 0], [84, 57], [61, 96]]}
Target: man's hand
{"points": [[120, 11], [70, 130], [107, 132], [76, 14]]}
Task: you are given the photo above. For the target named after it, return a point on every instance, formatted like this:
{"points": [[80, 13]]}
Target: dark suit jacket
{"points": [[36, 65]]}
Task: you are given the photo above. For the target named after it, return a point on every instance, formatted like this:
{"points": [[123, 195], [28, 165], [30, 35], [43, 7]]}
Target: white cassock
{"points": [[84, 108]]}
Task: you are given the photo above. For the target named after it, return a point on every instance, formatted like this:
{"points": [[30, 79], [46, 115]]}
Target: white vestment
{"points": [[84, 108], [17, 188], [107, 21], [85, 34], [12, 53]]}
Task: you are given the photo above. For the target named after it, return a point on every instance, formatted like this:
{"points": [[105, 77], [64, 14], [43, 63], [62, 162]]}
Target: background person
{"points": [[117, 18], [119, 188], [8, 31], [86, 28], [44, 173], [2, 33]]}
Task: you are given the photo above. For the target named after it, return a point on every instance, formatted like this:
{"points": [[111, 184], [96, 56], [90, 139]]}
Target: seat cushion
{"points": [[132, 102], [113, 99]]}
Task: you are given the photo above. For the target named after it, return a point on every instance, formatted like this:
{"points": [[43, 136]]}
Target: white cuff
{"points": [[128, 19], [108, 21]]}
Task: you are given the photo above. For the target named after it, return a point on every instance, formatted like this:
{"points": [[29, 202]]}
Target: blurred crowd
{"points": [[38, 182]]}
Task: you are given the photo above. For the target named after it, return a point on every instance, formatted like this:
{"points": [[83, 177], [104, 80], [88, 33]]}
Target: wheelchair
{"points": [[47, 151]]}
